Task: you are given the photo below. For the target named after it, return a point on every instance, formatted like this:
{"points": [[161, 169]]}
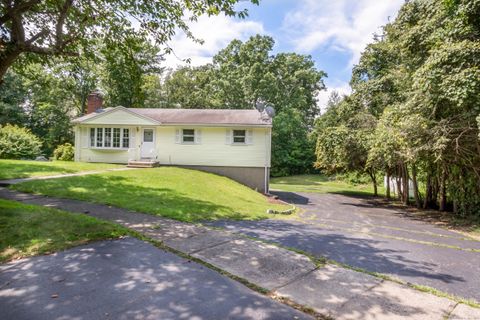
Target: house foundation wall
{"points": [[253, 177]]}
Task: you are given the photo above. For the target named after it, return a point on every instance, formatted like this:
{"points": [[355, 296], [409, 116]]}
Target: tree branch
{"points": [[18, 7], [37, 36], [46, 51], [61, 21]]}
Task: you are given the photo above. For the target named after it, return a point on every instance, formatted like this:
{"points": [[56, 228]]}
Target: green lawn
{"points": [[11, 169], [27, 230], [322, 184], [182, 194]]}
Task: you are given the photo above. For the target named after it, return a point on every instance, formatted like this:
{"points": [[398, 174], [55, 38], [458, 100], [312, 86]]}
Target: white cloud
{"points": [[323, 96], [216, 31], [344, 25]]}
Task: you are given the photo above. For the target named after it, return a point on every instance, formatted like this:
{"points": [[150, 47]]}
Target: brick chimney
{"points": [[94, 101]]}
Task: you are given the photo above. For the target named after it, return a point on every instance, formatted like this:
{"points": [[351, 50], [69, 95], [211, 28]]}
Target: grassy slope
{"points": [[27, 230], [181, 194], [321, 184], [11, 169]]}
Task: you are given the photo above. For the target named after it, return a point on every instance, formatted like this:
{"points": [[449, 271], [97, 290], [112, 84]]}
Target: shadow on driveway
{"points": [[126, 279], [450, 270]]}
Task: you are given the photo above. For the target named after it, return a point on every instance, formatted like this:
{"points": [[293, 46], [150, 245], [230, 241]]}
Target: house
{"points": [[233, 143]]}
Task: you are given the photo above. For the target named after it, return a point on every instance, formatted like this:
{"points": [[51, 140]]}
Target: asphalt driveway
{"points": [[355, 232], [126, 279]]}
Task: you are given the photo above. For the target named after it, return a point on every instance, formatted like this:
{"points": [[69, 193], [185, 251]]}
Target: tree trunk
{"points": [[416, 195], [428, 192], [405, 184], [388, 185], [7, 58], [399, 184], [371, 173], [443, 191]]}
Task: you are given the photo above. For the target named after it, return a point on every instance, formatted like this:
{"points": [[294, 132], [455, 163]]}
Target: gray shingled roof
{"points": [[196, 116]]}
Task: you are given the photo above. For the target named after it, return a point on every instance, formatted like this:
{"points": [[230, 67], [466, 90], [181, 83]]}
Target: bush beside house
{"points": [[18, 143], [64, 152]]}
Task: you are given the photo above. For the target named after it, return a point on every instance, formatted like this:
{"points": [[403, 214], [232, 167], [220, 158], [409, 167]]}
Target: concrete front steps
{"points": [[143, 163]]}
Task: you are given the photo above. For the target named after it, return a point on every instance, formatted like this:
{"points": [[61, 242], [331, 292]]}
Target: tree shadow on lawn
{"points": [[126, 279], [119, 191]]}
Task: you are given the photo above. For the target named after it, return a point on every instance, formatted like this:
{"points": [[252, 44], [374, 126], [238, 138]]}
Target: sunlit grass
{"points": [[27, 230], [322, 184], [182, 194], [12, 169]]}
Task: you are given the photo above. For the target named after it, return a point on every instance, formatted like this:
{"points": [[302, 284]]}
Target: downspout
{"points": [[267, 148]]}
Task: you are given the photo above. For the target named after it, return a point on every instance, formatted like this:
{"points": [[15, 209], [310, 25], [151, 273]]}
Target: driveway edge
{"points": [[284, 275]]}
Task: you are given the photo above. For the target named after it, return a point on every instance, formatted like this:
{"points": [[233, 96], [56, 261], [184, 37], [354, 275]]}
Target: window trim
{"points": [[182, 141], [95, 130], [244, 137]]}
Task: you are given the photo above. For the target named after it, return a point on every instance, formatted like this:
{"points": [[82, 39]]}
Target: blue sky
{"points": [[334, 33]]}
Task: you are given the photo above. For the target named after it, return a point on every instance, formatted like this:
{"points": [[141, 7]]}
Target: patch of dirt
{"points": [[275, 200]]}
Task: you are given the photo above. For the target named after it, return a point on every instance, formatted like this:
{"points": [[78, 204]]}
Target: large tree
{"points": [[246, 73], [420, 81], [124, 67], [41, 28]]}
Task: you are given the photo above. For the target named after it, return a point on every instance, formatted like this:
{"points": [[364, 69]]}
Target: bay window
{"points": [[110, 138]]}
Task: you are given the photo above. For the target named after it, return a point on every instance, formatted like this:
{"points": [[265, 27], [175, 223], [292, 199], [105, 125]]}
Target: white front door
{"points": [[147, 149]]}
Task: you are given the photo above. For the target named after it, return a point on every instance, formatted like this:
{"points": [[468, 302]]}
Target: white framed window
{"points": [[92, 137], [116, 138], [125, 138], [107, 143], [99, 137], [239, 136], [109, 138], [188, 135]]}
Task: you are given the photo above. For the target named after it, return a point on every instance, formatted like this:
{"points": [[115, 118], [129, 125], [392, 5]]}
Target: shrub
{"points": [[18, 143], [64, 152]]}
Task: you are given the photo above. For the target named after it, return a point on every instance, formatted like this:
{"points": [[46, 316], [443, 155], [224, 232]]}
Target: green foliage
{"points": [[12, 96], [64, 152], [420, 81], [293, 150], [38, 30], [18, 143], [124, 67], [191, 88], [245, 73]]}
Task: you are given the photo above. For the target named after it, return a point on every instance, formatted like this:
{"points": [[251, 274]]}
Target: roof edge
{"points": [[76, 121]]}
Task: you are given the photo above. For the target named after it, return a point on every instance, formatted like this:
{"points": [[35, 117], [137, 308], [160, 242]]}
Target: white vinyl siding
{"points": [[213, 146], [119, 118], [215, 149]]}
